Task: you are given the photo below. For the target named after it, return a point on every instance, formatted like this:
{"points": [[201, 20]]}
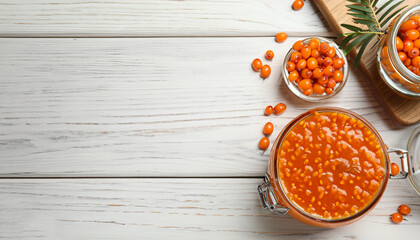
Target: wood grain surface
{"points": [[405, 111], [149, 106], [110, 18], [223, 208]]}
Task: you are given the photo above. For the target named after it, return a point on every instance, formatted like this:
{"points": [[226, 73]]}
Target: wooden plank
{"points": [[405, 111], [180, 208], [75, 18], [149, 107]]}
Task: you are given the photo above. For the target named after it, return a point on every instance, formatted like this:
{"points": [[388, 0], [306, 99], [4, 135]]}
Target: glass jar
{"points": [[274, 198], [315, 97], [397, 76]]}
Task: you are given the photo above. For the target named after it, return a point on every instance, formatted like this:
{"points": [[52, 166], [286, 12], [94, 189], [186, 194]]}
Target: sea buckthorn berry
{"points": [[298, 4], [324, 47], [314, 43], [413, 53], [306, 52], [416, 62], [320, 61], [268, 128], [308, 91], [395, 170], [305, 84], [315, 53], [338, 63], [293, 76], [319, 89], [301, 64], [327, 61], [312, 63], [268, 110], [412, 34], [269, 55], [404, 209], [417, 43], [408, 45], [338, 75], [306, 73], [329, 91], [409, 24], [281, 37], [317, 73], [295, 57], [323, 80], [331, 52], [397, 217], [331, 83], [400, 44], [280, 108], [416, 18], [297, 46], [264, 143], [257, 65], [265, 71], [329, 71], [402, 55], [290, 66], [407, 62]]}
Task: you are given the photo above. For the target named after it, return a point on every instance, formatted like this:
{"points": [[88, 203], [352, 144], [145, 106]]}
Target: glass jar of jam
{"points": [[391, 69], [329, 167]]}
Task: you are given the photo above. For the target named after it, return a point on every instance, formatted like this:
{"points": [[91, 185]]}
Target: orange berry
{"points": [[268, 110], [338, 63], [412, 34], [416, 18], [315, 53], [319, 89], [331, 52], [415, 61], [308, 92], [306, 73], [281, 37], [397, 217], [293, 76], [395, 169], [323, 80], [329, 71], [331, 83], [297, 46], [297, 4], [269, 54], [417, 43], [320, 61], [312, 63], [314, 43], [400, 44], [329, 91], [402, 55], [295, 57], [404, 209], [338, 75], [327, 61], [324, 47], [301, 64], [257, 64], [409, 24], [280, 108], [290, 66], [264, 143], [413, 53], [268, 128], [305, 84], [408, 45], [265, 71], [407, 62], [317, 73], [306, 52]]}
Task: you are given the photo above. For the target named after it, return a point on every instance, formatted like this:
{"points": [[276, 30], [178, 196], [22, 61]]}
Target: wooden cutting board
{"points": [[403, 110]]}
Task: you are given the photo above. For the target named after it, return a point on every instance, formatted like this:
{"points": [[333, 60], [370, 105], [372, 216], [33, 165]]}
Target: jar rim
{"points": [[306, 114]]}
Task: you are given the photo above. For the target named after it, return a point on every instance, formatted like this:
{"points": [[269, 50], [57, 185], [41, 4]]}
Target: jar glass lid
{"points": [[413, 147]]}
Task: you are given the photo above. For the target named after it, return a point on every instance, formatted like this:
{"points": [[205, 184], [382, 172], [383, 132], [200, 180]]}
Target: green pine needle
{"points": [[364, 13]]}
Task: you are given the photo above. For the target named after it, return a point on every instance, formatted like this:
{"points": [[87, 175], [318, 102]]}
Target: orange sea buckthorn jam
{"points": [[331, 165]]}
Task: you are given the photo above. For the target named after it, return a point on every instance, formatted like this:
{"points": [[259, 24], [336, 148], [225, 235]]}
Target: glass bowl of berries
{"points": [[315, 69]]}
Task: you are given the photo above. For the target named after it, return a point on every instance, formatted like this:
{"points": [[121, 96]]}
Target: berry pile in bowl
{"points": [[315, 69]]}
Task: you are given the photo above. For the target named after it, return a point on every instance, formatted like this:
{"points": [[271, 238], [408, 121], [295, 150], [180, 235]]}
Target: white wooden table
{"points": [[141, 119]]}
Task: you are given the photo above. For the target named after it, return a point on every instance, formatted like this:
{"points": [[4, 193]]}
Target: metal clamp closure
{"points": [[403, 155], [268, 199]]}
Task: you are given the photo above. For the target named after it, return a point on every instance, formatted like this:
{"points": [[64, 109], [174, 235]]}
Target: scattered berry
{"points": [[268, 128], [269, 55], [257, 65], [404, 209], [281, 37], [394, 169], [298, 4], [397, 218], [264, 143], [268, 110], [280, 108]]}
